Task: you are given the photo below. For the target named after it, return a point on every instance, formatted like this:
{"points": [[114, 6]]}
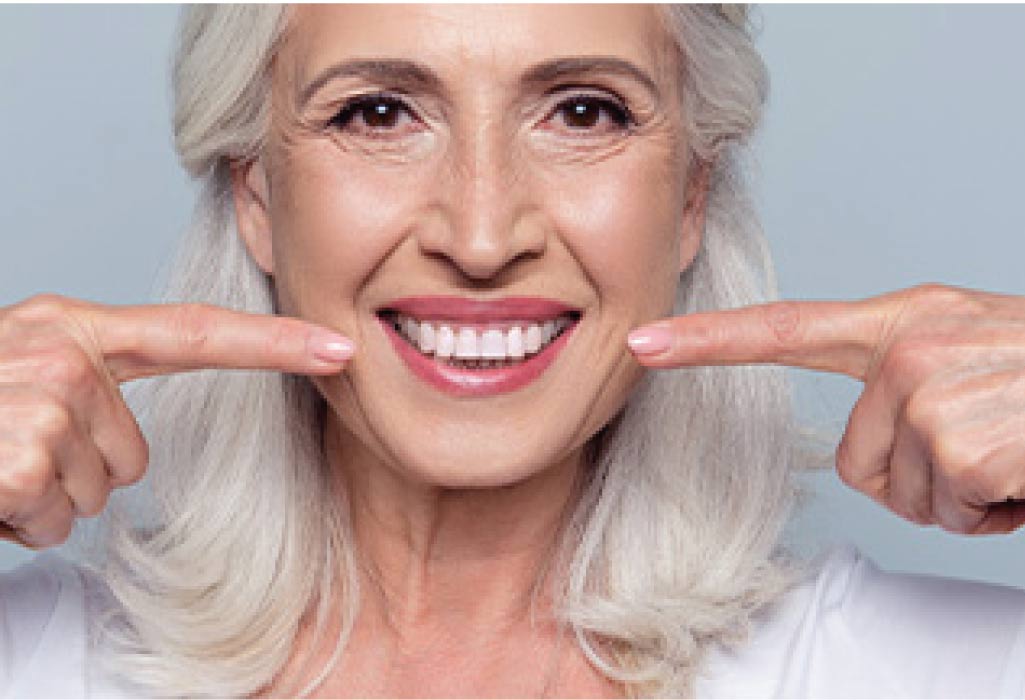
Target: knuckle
{"points": [[901, 508], [931, 290], [850, 465], [54, 534], [951, 300], [190, 325], [704, 336], [783, 319], [905, 360], [280, 337], [971, 483], [40, 308], [63, 529], [935, 292], [31, 477], [954, 523], [131, 472], [923, 413], [843, 461], [847, 476], [50, 420], [957, 459], [92, 507], [923, 516], [911, 509], [846, 468], [68, 368], [138, 468]]}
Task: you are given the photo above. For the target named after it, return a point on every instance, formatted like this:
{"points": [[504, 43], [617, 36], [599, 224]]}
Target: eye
{"points": [[583, 112], [375, 115]]}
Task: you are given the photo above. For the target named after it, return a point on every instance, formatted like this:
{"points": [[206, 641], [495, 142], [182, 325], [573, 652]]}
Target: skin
{"points": [[483, 189], [938, 433], [485, 199]]}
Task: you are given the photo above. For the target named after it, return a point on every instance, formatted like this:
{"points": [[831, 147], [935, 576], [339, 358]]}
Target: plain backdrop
{"points": [[891, 155]]}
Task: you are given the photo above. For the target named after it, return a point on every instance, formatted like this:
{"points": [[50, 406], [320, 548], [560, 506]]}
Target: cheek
{"points": [[333, 225], [621, 220]]}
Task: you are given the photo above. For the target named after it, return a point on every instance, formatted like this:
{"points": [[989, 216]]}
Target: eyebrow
{"points": [[420, 77]]}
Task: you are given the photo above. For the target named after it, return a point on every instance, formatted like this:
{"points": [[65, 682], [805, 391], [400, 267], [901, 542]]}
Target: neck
{"points": [[466, 559], [454, 601]]}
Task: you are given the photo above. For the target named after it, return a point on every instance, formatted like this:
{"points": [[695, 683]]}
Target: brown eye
{"points": [[584, 112], [374, 113]]}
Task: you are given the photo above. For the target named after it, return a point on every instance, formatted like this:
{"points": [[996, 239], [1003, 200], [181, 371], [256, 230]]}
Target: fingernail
{"points": [[649, 341], [330, 347]]}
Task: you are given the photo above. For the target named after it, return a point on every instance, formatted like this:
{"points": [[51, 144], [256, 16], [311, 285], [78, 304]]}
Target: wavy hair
{"points": [[673, 545]]}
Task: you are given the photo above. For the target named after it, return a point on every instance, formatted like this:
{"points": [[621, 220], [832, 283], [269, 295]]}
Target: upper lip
{"points": [[453, 308]]}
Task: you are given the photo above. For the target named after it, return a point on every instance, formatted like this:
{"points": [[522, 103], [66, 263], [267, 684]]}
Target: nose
{"points": [[487, 219]]}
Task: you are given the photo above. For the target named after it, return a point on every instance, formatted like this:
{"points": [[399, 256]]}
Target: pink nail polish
{"points": [[650, 341], [330, 347]]}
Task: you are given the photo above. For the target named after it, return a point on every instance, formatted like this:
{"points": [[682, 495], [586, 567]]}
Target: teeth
{"points": [[492, 345], [547, 331], [533, 340], [514, 343], [464, 343], [426, 338], [446, 340], [412, 329]]}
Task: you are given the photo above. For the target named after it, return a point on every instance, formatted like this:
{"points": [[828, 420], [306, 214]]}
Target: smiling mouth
{"points": [[482, 345]]}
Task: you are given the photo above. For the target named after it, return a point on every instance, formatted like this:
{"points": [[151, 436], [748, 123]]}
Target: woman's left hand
{"points": [[938, 433]]}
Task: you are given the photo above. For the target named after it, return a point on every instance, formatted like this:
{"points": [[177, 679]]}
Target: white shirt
{"points": [[848, 630]]}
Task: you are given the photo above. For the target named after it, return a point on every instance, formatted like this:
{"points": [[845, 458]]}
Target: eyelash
{"points": [[618, 112]]}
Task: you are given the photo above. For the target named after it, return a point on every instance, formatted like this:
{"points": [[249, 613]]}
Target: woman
{"points": [[374, 518]]}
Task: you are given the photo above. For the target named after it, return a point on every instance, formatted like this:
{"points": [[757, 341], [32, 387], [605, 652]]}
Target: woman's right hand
{"points": [[67, 438]]}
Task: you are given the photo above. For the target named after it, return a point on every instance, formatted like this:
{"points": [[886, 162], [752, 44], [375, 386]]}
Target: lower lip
{"points": [[457, 381]]}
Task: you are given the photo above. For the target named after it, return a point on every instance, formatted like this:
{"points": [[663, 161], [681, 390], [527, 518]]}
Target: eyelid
{"points": [[599, 95], [354, 102], [577, 91]]}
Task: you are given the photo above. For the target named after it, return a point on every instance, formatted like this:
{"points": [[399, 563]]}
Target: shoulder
{"points": [[850, 628], [42, 628], [46, 607]]}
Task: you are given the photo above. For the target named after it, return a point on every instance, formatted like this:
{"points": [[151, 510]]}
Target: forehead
{"points": [[498, 38]]}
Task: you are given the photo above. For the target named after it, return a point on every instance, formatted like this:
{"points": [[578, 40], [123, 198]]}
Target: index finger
{"points": [[833, 336], [142, 341]]}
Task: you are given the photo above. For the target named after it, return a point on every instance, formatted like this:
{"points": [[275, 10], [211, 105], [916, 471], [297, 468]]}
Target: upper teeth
{"points": [[518, 339]]}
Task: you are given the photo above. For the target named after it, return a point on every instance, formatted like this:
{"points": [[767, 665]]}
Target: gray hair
{"points": [[674, 544]]}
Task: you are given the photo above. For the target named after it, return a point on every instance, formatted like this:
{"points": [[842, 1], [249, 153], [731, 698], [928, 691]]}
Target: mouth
{"points": [[473, 348]]}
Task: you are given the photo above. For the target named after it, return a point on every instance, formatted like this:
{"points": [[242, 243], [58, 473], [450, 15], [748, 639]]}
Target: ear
{"points": [[694, 214], [251, 193]]}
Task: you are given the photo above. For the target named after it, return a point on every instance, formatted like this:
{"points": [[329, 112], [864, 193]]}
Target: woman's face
{"points": [[486, 173]]}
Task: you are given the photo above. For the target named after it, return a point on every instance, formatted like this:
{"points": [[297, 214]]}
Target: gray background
{"points": [[891, 155]]}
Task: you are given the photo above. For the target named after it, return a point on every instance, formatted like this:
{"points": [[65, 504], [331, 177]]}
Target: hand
{"points": [[67, 438], [938, 433]]}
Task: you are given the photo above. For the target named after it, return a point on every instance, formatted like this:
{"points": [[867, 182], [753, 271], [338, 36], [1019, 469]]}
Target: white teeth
{"points": [[492, 345], [446, 342], [514, 343], [426, 338], [533, 340], [466, 343]]}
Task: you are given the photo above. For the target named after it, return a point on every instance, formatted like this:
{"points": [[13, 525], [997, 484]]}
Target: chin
{"points": [[472, 470]]}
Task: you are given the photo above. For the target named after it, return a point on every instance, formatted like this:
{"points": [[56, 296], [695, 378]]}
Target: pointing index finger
{"points": [[832, 336], [142, 341]]}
